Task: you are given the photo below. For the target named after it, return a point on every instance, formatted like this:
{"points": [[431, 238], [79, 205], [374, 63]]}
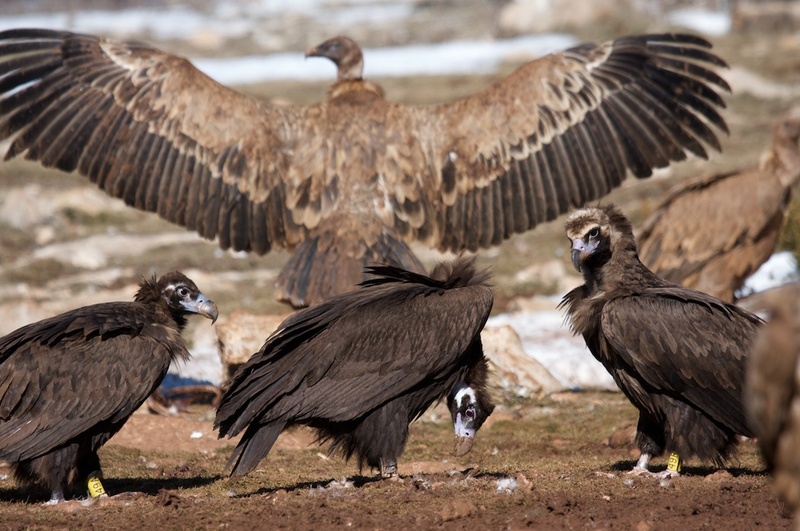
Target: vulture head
{"points": [[469, 408], [344, 52], [178, 295], [596, 234]]}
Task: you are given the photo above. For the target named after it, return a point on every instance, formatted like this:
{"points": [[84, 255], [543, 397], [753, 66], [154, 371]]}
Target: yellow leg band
{"points": [[95, 487], [674, 463]]}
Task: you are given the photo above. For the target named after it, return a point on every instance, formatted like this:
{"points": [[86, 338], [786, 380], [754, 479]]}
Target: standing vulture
{"points": [[773, 391], [70, 382], [360, 366], [678, 354], [712, 233], [351, 180]]}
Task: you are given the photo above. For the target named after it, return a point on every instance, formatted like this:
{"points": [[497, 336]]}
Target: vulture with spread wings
{"points": [[351, 180], [713, 232]]}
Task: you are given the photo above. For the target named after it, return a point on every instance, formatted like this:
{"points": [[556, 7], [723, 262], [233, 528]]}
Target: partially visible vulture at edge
{"points": [[70, 382], [679, 355], [351, 180], [360, 366], [773, 391], [712, 233]]}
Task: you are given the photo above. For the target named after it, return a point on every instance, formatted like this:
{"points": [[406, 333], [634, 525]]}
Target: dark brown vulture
{"points": [[773, 391], [351, 180], [70, 382], [712, 233], [678, 355], [360, 366]]}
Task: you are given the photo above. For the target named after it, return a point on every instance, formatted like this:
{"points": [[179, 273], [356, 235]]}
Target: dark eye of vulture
{"points": [[353, 179], [678, 355], [70, 382], [361, 366]]}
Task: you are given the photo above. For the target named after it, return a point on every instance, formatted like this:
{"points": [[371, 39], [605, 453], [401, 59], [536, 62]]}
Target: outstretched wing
{"points": [[150, 128], [59, 379], [561, 131], [341, 359], [685, 344]]}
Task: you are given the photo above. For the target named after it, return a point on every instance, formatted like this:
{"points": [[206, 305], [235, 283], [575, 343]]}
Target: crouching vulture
{"points": [[773, 391], [679, 355], [70, 382], [351, 180], [360, 366], [713, 232]]}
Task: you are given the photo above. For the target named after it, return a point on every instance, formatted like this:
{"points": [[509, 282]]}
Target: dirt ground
{"points": [[555, 463]]}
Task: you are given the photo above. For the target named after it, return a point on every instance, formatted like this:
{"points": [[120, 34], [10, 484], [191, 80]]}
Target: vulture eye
{"points": [[183, 291], [470, 413], [594, 233]]}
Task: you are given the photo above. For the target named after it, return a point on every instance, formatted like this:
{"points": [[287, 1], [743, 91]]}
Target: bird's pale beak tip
{"points": [[463, 446]]}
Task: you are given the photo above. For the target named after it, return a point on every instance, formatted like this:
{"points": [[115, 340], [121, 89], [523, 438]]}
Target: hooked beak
{"points": [[312, 51], [580, 250], [465, 434], [203, 306]]}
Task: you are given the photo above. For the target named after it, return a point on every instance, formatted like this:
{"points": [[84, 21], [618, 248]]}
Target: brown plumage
{"points": [[360, 366], [712, 233], [351, 180], [773, 391], [678, 354], [68, 383]]}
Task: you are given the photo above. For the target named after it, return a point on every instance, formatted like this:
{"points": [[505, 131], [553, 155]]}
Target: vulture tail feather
{"points": [[326, 264], [255, 444]]}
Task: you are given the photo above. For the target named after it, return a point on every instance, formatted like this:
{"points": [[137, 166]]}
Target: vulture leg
{"points": [[650, 440], [56, 496], [388, 468], [89, 472]]}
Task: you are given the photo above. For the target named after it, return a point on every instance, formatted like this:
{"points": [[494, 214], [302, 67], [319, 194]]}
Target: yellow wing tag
{"points": [[95, 487], [674, 463]]}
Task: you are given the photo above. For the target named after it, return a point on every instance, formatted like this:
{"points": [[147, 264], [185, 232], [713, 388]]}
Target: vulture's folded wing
{"points": [[685, 344], [339, 363], [60, 381]]}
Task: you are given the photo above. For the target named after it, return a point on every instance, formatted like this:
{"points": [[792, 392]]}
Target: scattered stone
{"points": [[507, 486], [718, 476], [456, 509], [420, 483], [514, 374], [240, 335]]}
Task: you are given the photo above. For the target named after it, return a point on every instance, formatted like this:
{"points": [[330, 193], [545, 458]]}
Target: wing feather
{"points": [[322, 364], [147, 127], [632, 104], [559, 132], [703, 365], [58, 379]]}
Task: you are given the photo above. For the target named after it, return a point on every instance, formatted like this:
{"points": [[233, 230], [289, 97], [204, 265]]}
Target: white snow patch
{"points": [[714, 23]]}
